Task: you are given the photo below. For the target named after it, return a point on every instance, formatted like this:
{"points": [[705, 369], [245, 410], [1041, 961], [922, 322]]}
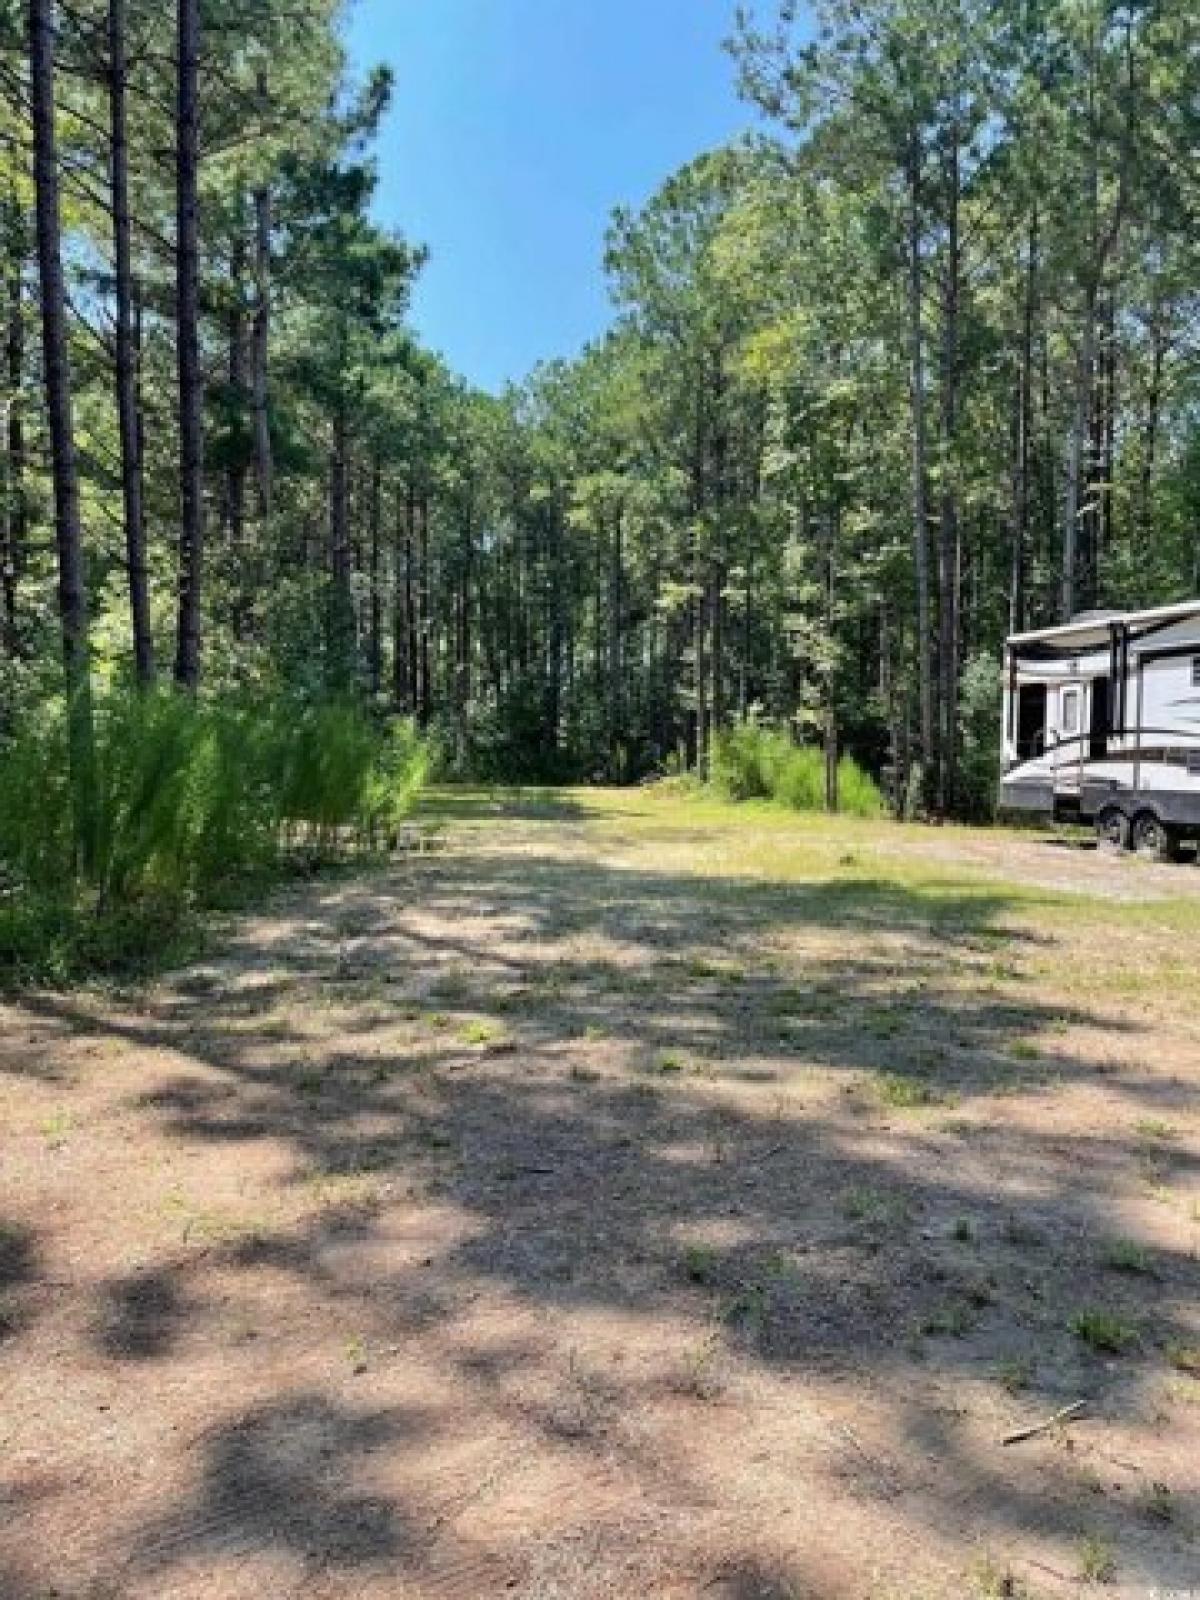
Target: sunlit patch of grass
{"points": [[58, 1128], [903, 1093], [1185, 1358], [488, 1035], [699, 1373], [668, 1062], [205, 1225], [1156, 1129], [347, 1191], [991, 1579], [1097, 1562]]}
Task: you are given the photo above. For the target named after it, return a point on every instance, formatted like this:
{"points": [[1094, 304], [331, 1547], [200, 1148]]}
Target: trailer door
{"points": [[1069, 740]]}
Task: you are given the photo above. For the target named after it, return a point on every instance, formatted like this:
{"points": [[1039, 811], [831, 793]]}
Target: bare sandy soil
{"points": [[625, 1199]]}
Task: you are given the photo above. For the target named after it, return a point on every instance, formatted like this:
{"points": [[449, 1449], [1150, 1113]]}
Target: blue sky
{"points": [[518, 125]]}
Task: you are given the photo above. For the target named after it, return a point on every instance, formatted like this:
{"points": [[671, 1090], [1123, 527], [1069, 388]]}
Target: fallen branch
{"points": [[1044, 1427]]}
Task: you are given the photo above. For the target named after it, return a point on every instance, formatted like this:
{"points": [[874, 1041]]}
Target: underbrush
{"points": [[194, 804], [755, 763]]}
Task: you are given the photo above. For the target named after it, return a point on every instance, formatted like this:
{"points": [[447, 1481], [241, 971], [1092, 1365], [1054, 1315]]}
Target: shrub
{"points": [[193, 799], [750, 762], [858, 793]]}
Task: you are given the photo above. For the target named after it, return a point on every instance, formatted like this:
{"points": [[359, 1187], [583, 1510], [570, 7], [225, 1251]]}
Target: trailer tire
{"points": [[1152, 839], [1112, 830]]}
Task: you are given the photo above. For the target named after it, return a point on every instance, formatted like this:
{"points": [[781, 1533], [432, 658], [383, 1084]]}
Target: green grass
{"points": [[700, 1264], [1104, 1331], [1097, 1563], [1125, 1255], [483, 1033], [1185, 1358], [1156, 1129], [904, 1093]]}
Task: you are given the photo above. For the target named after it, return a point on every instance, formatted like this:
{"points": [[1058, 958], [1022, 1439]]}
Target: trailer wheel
{"points": [[1153, 840], [1112, 830]]}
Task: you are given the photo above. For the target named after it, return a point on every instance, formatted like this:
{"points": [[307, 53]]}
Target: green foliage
{"points": [[979, 732], [1103, 1331], [194, 799], [751, 762], [858, 793]]}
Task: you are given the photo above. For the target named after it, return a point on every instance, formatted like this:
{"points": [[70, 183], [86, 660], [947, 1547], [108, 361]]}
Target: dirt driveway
{"points": [[625, 1199]]}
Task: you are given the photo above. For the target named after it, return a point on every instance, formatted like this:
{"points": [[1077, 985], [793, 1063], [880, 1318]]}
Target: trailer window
{"points": [[1068, 714], [1196, 672]]}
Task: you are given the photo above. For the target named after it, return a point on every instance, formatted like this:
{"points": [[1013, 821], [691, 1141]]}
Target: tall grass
{"points": [[194, 801], [750, 762]]}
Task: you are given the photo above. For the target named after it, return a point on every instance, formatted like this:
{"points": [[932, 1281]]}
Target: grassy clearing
{"points": [[633, 1151]]}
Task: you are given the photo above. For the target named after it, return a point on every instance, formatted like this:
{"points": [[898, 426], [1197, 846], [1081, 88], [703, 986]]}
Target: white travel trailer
{"points": [[1102, 725]]}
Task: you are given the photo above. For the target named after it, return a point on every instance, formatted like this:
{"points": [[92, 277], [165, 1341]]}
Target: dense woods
{"points": [[914, 365]]}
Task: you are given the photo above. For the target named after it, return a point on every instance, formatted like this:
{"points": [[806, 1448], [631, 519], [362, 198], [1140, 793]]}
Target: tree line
{"points": [[911, 366]]}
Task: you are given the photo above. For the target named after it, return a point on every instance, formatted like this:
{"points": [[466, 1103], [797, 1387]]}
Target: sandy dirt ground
{"points": [[615, 1202]]}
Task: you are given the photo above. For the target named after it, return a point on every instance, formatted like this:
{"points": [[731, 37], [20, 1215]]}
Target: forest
{"points": [[911, 366]]}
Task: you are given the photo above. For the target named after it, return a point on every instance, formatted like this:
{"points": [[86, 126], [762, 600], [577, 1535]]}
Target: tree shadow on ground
{"points": [[858, 1216], [20, 1269], [275, 1477]]}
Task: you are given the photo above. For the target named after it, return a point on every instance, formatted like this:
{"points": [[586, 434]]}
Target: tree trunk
{"points": [[412, 621], [891, 703], [1158, 350], [401, 581], [747, 639], [702, 708], [260, 341], [948, 524], [1023, 423], [235, 471], [556, 635], [717, 652], [72, 590], [1085, 365], [616, 607], [191, 377], [376, 568], [462, 664], [921, 564], [425, 690], [1108, 442], [340, 666], [829, 676], [14, 510], [128, 418]]}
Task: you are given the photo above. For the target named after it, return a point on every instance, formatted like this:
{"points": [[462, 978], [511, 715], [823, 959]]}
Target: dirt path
{"points": [[618, 1202]]}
